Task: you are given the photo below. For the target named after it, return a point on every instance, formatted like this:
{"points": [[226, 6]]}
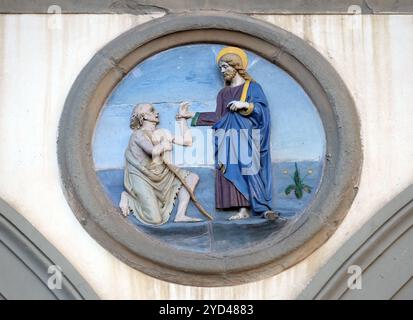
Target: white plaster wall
{"points": [[38, 65]]}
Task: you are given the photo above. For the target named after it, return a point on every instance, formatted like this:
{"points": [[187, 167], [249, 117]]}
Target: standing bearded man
{"points": [[242, 109]]}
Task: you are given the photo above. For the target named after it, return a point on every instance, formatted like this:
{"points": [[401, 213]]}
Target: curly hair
{"points": [[235, 61], [137, 117]]}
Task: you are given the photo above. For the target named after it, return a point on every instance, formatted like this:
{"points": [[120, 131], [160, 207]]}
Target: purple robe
{"points": [[227, 195]]}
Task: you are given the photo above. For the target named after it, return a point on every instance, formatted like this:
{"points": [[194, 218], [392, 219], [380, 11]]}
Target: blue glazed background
{"points": [[189, 73]]}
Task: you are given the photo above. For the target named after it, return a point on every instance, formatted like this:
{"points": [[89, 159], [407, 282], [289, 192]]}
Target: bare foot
{"points": [[271, 215], [186, 219], [242, 214], [123, 204]]}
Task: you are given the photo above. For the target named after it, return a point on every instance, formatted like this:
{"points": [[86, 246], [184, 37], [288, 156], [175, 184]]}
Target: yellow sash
{"points": [[244, 97], [245, 90]]}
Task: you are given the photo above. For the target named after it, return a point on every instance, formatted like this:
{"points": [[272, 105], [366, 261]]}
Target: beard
{"points": [[229, 75]]}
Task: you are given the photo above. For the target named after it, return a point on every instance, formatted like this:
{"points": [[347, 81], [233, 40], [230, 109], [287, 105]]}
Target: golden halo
{"points": [[234, 50]]}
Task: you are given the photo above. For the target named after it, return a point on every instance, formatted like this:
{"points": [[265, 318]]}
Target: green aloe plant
{"points": [[299, 186]]}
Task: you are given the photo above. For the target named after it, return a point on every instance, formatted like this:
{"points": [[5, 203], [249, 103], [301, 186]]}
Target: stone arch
{"points": [[382, 249], [25, 259]]}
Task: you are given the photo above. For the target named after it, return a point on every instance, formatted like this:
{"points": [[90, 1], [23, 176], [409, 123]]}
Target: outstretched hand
{"points": [[184, 112]]}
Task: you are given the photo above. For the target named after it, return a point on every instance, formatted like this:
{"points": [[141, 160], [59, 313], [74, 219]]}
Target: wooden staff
{"points": [[191, 194]]}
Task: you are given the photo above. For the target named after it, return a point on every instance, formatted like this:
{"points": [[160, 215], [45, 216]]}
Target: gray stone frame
{"points": [[102, 219]]}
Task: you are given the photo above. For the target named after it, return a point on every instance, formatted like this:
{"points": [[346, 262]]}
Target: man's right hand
{"points": [[184, 112]]}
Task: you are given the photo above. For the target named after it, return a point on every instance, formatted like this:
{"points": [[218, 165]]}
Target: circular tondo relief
{"points": [[209, 150]]}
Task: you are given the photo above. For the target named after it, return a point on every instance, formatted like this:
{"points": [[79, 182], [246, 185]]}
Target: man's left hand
{"points": [[237, 105]]}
